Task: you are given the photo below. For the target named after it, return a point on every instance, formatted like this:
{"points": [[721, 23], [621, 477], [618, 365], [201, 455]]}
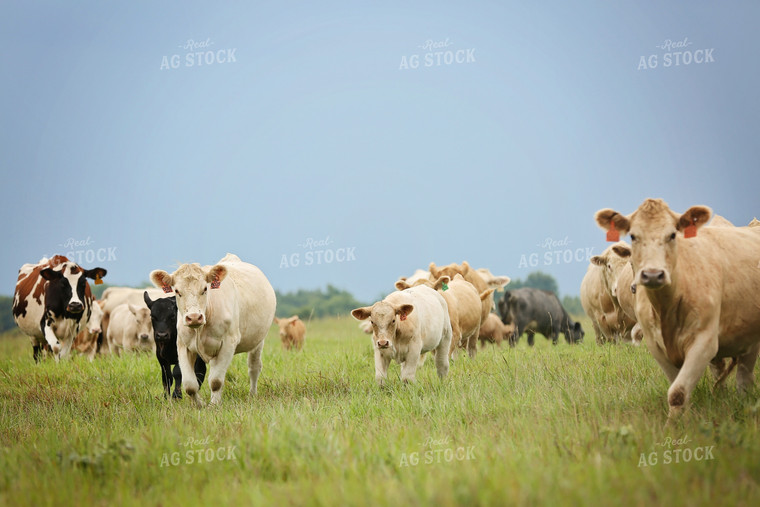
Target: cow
{"points": [[52, 300], [598, 297], [115, 296], [697, 292], [405, 325], [495, 331], [537, 311], [292, 332], [130, 329], [163, 317], [222, 310], [472, 276], [464, 306], [86, 342]]}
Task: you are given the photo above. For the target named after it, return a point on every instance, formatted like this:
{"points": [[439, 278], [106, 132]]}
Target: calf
{"points": [[495, 331], [405, 325], [130, 329], [222, 310], [163, 316], [292, 332], [537, 311], [52, 301], [697, 292]]}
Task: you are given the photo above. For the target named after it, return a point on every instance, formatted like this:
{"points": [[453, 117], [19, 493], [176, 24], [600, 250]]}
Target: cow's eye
{"points": [[633, 238], [672, 237], [177, 293], [205, 289]]}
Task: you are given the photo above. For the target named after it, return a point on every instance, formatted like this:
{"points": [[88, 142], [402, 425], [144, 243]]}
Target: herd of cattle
{"points": [[690, 292]]}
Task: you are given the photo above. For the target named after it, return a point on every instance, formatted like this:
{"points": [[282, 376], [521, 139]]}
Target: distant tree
{"points": [[6, 314], [573, 305], [316, 303], [537, 280]]}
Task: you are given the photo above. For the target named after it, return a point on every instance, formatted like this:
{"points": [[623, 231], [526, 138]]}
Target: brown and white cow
{"points": [[86, 342], [52, 301], [292, 332], [405, 325], [697, 292], [222, 310]]}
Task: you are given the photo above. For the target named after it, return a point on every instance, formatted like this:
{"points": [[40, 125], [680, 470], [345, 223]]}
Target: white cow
{"points": [[130, 329], [222, 310], [115, 296], [405, 325]]}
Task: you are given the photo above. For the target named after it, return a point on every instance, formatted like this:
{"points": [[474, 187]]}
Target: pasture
{"points": [[564, 425]]}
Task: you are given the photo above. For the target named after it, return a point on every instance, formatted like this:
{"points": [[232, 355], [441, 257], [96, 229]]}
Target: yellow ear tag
{"points": [[98, 281]]}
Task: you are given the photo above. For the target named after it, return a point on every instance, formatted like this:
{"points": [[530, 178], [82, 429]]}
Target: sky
{"points": [[350, 143]]}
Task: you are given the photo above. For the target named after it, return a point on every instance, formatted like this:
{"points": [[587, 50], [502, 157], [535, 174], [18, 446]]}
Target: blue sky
{"points": [[312, 128]]}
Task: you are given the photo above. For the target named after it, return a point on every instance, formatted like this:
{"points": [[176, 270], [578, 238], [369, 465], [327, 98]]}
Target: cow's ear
{"points": [[606, 216], [598, 260], [293, 320], [441, 281], [465, 267], [577, 326], [433, 269], [362, 313], [161, 278], [216, 274], [486, 293], [403, 311], [499, 281], [50, 274], [401, 285], [622, 250], [148, 301], [133, 308], [696, 216], [95, 273]]}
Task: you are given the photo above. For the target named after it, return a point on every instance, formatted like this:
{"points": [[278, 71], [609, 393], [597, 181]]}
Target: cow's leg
{"points": [[531, 337], [442, 359], [704, 348], [200, 370], [218, 366], [254, 368], [670, 370], [36, 352], [409, 368], [166, 378], [745, 377], [472, 343], [456, 336], [381, 366], [51, 338], [190, 385]]}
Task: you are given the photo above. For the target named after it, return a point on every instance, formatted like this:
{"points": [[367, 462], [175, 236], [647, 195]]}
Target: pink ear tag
{"points": [[612, 234], [690, 231], [167, 288], [402, 316], [216, 283]]}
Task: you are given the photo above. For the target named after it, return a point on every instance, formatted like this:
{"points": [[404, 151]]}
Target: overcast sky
{"points": [[392, 134]]}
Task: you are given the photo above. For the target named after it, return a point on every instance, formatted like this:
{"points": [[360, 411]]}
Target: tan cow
{"points": [[130, 329], [292, 332], [698, 292], [472, 276], [495, 331]]}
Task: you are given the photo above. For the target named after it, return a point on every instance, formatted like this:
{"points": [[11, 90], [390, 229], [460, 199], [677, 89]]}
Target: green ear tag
{"points": [[445, 287]]}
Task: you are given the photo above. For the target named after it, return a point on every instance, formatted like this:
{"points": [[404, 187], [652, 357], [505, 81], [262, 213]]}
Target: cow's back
{"points": [[430, 314]]}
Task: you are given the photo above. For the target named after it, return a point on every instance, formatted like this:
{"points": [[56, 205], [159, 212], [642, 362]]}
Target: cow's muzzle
{"points": [[194, 320], [75, 307], [383, 344], [161, 336], [144, 337], [653, 278]]}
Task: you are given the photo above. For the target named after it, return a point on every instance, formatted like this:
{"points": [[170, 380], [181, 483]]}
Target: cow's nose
{"points": [[161, 336], [75, 307], [652, 277], [96, 331], [193, 319], [143, 336], [383, 344]]}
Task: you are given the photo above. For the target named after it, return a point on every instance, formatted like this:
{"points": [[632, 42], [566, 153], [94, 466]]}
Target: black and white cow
{"points": [[52, 301], [163, 315], [536, 311]]}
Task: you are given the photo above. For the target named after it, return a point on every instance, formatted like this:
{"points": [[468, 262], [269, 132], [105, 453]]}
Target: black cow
{"points": [[537, 311], [163, 314]]}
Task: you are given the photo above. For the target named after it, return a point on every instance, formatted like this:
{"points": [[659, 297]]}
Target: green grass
{"points": [[545, 425]]}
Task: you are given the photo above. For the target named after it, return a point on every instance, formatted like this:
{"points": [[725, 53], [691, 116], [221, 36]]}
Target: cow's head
{"points": [[451, 270], [96, 318], [285, 324], [654, 229], [574, 333], [144, 325], [67, 285], [190, 284], [384, 318], [612, 261], [163, 318]]}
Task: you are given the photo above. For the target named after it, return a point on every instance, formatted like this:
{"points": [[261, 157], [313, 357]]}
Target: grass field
{"points": [[564, 425]]}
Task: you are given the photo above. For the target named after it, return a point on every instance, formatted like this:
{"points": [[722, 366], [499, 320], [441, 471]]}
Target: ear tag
{"points": [[216, 283], [167, 288], [691, 230], [445, 287], [402, 316], [98, 281], [613, 235]]}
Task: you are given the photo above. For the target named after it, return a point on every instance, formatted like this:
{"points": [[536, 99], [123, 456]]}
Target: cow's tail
{"points": [[726, 372]]}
